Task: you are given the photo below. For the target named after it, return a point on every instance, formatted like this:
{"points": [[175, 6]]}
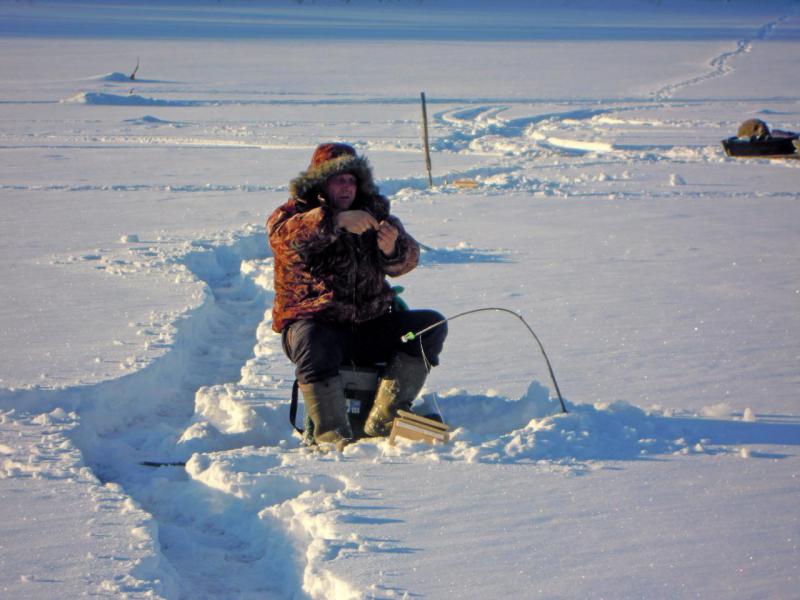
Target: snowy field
{"points": [[579, 181]]}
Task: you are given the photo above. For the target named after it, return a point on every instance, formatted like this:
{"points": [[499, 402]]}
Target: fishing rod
{"points": [[412, 335]]}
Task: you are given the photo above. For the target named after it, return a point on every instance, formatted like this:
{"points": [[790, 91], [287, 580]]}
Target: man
{"points": [[334, 242], [756, 128]]}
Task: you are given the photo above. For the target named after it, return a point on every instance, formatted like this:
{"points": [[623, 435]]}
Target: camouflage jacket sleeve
{"points": [[406, 255], [295, 232]]}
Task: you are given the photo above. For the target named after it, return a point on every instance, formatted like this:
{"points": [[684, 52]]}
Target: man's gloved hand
{"points": [[387, 238], [355, 221]]}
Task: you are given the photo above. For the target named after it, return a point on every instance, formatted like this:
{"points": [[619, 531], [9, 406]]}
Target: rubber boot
{"points": [[402, 381], [327, 407]]}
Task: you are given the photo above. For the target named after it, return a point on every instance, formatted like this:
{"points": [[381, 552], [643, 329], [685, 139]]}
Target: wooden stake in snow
{"points": [[425, 139], [133, 75]]}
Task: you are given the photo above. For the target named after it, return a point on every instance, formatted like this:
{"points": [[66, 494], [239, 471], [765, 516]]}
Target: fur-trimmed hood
{"points": [[307, 186]]}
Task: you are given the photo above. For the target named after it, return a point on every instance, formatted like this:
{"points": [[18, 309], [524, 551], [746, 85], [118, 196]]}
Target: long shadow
{"points": [[733, 433], [452, 256]]}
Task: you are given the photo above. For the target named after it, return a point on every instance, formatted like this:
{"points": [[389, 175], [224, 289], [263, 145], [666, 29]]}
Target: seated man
{"points": [[757, 129], [334, 242]]}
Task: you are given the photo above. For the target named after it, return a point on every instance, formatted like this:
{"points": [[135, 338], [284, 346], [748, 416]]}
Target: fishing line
{"points": [[428, 367], [412, 335]]}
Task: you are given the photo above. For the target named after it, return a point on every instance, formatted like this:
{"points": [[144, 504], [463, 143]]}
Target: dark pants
{"points": [[319, 348]]}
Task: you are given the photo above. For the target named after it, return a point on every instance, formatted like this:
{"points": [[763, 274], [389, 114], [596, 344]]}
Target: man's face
{"points": [[340, 190]]}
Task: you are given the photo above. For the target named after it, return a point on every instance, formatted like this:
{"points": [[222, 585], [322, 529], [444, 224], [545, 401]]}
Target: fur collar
{"points": [[308, 184]]}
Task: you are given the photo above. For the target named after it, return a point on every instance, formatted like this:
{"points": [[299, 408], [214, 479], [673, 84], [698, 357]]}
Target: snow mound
{"points": [[493, 429], [105, 99], [114, 77], [151, 122], [117, 77], [676, 179], [533, 428], [580, 145]]}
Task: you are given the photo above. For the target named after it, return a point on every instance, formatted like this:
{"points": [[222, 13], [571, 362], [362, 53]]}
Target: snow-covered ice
{"points": [[578, 181]]}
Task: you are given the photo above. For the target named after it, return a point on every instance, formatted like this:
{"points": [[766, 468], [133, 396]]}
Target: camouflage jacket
{"points": [[327, 273]]}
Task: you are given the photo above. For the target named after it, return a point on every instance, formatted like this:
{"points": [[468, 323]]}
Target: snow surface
{"points": [[579, 180]]}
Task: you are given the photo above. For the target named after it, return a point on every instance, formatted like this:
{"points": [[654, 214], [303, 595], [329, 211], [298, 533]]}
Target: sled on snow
{"points": [[767, 147]]}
